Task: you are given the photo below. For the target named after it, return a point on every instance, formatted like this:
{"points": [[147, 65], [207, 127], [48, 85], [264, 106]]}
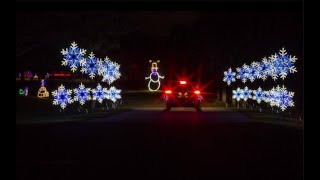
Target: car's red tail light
{"points": [[183, 82], [168, 91], [197, 92]]}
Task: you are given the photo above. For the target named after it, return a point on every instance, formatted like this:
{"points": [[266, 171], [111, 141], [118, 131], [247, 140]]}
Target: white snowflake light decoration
{"points": [[109, 70], [113, 94], [99, 93], [246, 93], [229, 76], [72, 56], [237, 94], [258, 95], [89, 65], [81, 94], [283, 64], [62, 96], [243, 73]]}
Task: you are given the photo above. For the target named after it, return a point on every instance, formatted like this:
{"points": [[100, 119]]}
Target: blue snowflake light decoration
{"points": [[62, 96], [285, 98], [109, 71], [237, 94], [99, 93], [229, 76], [246, 93], [72, 56], [258, 95], [90, 65], [113, 94], [243, 73], [81, 94], [282, 64], [252, 71]]}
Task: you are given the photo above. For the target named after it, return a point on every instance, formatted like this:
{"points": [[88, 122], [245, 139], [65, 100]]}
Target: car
{"points": [[182, 94]]}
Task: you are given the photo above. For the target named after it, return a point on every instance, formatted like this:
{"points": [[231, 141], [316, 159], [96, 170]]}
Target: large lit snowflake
{"points": [[243, 73], [99, 93], [113, 94], [62, 96], [90, 65], [72, 56], [284, 98], [237, 94], [258, 95], [109, 71], [229, 76], [81, 94], [282, 64], [246, 93]]}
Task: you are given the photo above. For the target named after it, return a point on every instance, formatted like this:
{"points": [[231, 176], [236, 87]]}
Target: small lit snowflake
{"points": [[237, 94], [229, 76], [113, 94], [246, 93], [81, 94], [258, 95], [99, 93], [62, 96]]}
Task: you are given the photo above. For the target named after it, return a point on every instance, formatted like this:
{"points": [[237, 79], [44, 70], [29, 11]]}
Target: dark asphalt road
{"points": [[151, 144]]}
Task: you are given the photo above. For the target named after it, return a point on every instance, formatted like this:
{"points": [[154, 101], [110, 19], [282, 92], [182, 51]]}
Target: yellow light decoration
{"points": [[42, 92]]}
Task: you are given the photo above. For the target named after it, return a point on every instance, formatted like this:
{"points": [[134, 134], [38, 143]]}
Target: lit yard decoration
{"points": [[229, 76], [62, 97], [81, 94], [42, 92], [99, 93], [282, 64], [72, 56], [278, 65], [258, 95], [154, 76], [47, 75], [237, 94], [21, 92], [253, 70], [89, 65], [27, 75], [280, 97], [26, 91], [109, 70], [243, 73], [246, 93], [113, 94], [35, 77]]}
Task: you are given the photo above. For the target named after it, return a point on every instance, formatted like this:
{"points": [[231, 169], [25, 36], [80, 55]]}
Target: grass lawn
{"points": [[271, 117]]}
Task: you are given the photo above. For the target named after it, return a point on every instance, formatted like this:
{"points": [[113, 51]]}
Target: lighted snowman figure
{"points": [[154, 76]]}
